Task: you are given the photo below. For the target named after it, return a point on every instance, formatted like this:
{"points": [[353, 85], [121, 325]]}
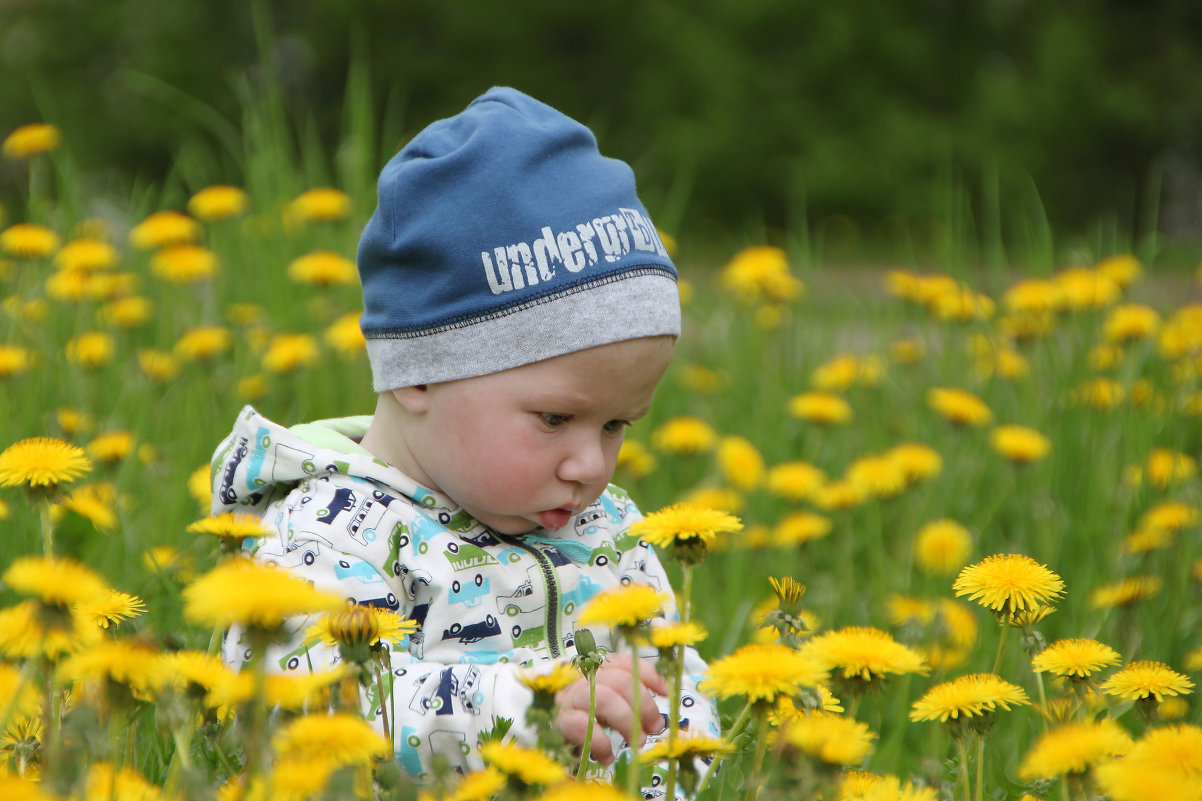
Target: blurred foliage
{"points": [[879, 119]]}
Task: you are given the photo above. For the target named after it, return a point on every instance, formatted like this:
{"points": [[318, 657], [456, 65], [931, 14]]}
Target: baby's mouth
{"points": [[554, 519]]}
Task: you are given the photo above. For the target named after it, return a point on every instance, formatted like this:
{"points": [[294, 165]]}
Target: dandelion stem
{"points": [[686, 611], [963, 782], [1001, 648], [735, 729], [586, 751], [636, 728], [757, 764], [980, 767], [47, 528], [383, 708]]}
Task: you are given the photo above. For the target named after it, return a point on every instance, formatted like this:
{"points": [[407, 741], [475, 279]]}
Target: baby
{"points": [[520, 310]]}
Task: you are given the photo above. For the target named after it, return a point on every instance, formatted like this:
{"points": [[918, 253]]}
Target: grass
{"points": [[1071, 510]]}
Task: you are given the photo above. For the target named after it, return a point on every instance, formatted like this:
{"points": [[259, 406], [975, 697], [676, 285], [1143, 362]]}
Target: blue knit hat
{"points": [[503, 237]]}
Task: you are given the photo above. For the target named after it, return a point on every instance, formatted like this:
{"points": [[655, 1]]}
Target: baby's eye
{"points": [[614, 426], [554, 420]]}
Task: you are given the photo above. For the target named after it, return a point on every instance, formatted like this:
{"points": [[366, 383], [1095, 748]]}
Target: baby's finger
{"points": [[574, 725]]}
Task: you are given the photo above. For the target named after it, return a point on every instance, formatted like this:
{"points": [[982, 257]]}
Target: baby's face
{"points": [[534, 445]]}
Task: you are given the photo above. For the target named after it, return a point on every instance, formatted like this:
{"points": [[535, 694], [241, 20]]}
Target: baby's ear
{"points": [[415, 399]]}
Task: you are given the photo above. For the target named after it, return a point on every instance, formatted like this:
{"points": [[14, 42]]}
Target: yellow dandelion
{"points": [[1164, 467], [127, 312], [1019, 443], [831, 738], [111, 446], [158, 365], [763, 672], [672, 635], [526, 764], [876, 476], [28, 241], [1074, 748], [113, 608], [85, 255], [549, 681], [479, 785], [1166, 763], [863, 652], [684, 435], [1129, 322], [724, 499], [229, 525], [247, 592], [635, 458], [73, 421], [1087, 289], [119, 784], [761, 273], [958, 406], [184, 263], [839, 495], [1008, 583], [34, 310], [203, 342], [295, 779], [846, 370], [343, 738], [907, 351], [1076, 657], [165, 559], [31, 139], [323, 268], [972, 695], [799, 527], [941, 547], [163, 228], [41, 462], [820, 407], [218, 202], [740, 462], [25, 632], [958, 623], [367, 624], [858, 785], [319, 204], [192, 671], [795, 481], [904, 284], [14, 360], [90, 349], [1122, 268], [1034, 296], [132, 663], [251, 387], [702, 379], [685, 525], [915, 460], [686, 748], [1170, 516], [625, 607], [1125, 592], [1147, 540], [1147, 679], [289, 352], [93, 502], [345, 336], [55, 581]]}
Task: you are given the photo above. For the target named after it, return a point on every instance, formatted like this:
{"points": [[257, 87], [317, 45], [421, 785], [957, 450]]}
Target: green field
{"points": [[1101, 357]]}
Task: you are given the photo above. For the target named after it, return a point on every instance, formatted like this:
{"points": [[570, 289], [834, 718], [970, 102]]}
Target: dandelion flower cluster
{"points": [[1073, 748], [254, 594], [863, 652], [626, 607], [1075, 657], [1147, 679], [685, 523]]}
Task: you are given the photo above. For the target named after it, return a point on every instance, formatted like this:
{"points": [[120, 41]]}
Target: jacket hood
{"points": [[260, 460]]}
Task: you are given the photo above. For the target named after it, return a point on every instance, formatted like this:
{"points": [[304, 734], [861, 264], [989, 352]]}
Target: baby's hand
{"points": [[615, 709]]}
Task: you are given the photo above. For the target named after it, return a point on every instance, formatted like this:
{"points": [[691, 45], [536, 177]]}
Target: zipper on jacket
{"points": [[544, 562]]}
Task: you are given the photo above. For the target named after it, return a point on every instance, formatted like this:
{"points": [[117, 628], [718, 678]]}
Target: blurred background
{"points": [[861, 130]]}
